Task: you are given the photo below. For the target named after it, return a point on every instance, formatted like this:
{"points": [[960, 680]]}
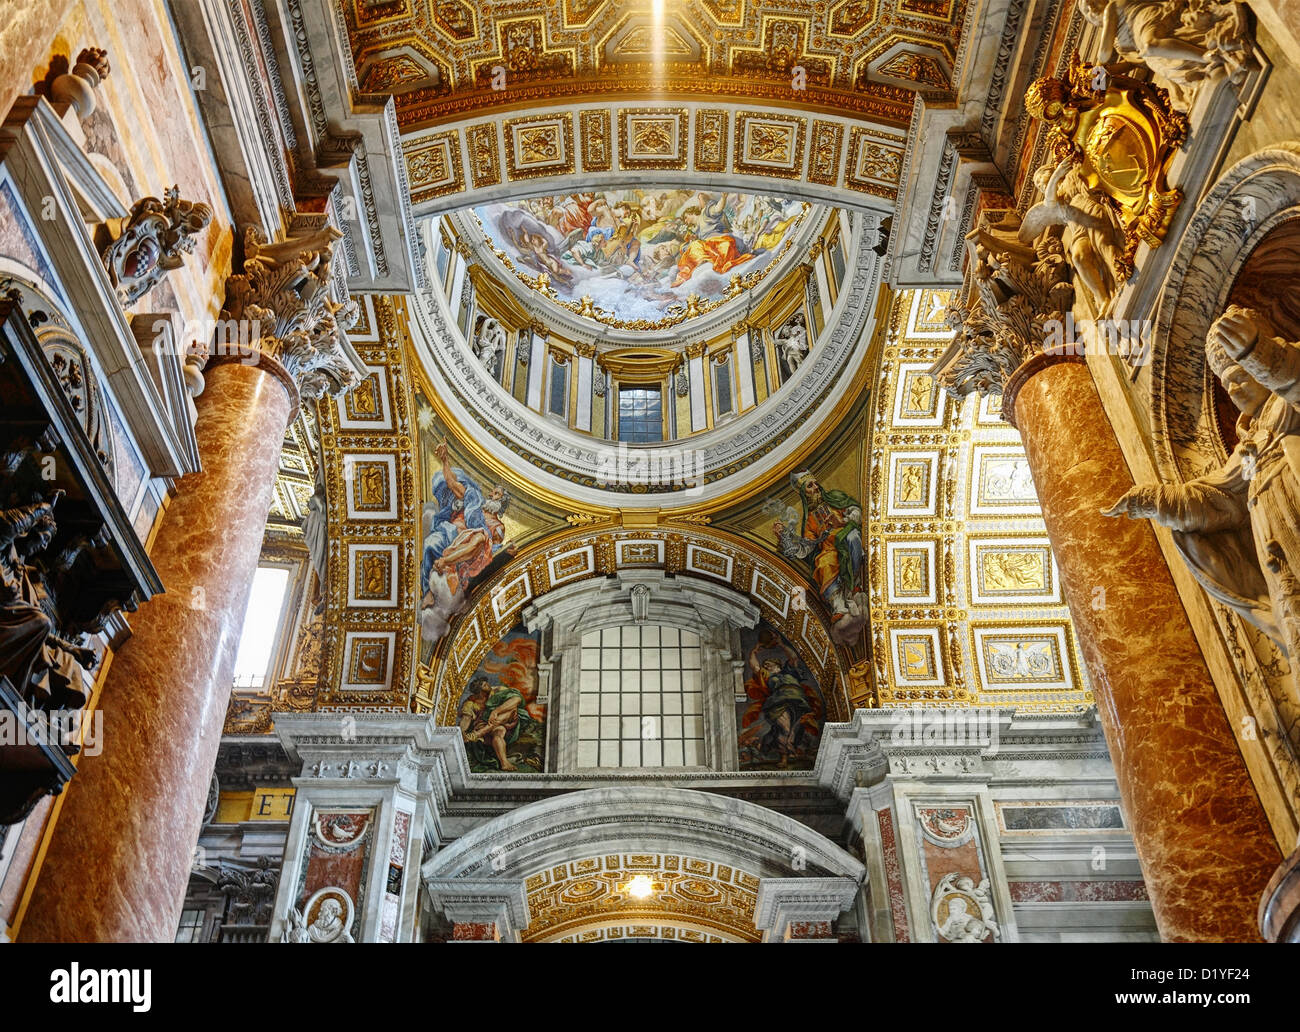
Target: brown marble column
{"points": [[1204, 842], [119, 859]]}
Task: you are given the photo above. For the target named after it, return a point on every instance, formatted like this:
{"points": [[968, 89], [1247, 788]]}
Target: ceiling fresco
{"points": [[635, 255]]}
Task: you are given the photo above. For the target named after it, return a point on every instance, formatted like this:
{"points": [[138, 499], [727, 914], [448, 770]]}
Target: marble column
{"points": [[1203, 839], [1200, 830], [119, 856], [119, 859]]}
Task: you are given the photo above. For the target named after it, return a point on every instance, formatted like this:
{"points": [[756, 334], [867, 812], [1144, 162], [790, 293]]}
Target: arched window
{"points": [[641, 671]]}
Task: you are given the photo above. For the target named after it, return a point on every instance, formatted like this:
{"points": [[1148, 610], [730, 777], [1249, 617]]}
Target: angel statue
{"points": [[1091, 235], [1237, 527], [792, 342], [1185, 43], [490, 344]]}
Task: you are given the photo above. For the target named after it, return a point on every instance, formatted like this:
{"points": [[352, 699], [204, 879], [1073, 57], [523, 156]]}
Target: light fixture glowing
{"points": [[641, 887]]}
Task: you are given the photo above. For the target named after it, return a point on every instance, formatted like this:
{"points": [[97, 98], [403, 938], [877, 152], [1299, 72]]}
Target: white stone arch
{"points": [[1248, 202], [482, 876]]}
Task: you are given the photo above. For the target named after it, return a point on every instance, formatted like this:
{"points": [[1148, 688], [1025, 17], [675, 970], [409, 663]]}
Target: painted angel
{"points": [[1090, 236], [1238, 528]]}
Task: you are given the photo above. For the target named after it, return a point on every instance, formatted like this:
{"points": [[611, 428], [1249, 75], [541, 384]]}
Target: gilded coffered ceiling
{"points": [[452, 56], [642, 896]]}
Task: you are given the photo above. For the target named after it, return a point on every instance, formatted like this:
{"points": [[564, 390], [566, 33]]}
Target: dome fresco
{"points": [[640, 255]]}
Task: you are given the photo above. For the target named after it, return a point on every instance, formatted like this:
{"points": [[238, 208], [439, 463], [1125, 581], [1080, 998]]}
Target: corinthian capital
{"points": [[285, 291], [1011, 306]]}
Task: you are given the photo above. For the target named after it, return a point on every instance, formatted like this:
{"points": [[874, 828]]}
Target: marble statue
{"points": [[315, 534], [792, 342], [43, 666], [1091, 235], [490, 344], [962, 910], [1237, 527], [1185, 42], [151, 242], [330, 924]]}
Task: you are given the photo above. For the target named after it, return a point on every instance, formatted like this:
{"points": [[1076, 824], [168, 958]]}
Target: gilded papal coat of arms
{"points": [[1122, 134]]}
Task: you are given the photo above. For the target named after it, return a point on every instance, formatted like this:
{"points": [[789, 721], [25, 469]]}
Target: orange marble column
{"points": [[1204, 842], [119, 859]]}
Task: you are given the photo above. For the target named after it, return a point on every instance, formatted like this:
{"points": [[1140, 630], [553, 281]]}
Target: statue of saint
{"points": [[1237, 527], [490, 344], [792, 342], [43, 666]]}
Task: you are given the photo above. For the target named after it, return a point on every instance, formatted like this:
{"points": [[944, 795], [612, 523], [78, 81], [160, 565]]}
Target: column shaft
{"points": [[1202, 836], [119, 858]]}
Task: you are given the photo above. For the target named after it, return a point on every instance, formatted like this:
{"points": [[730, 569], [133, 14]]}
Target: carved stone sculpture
{"points": [[1121, 139], [1238, 528], [490, 344], [1090, 233], [328, 920], [962, 910], [1011, 295], [792, 342], [315, 533], [44, 666], [1185, 43], [285, 291], [151, 242], [251, 893]]}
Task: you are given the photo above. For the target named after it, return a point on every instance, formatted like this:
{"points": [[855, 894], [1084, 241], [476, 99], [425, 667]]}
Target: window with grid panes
{"points": [[641, 701], [191, 927], [640, 414]]}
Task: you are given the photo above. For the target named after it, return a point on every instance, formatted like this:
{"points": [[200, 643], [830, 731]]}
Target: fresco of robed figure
{"points": [[827, 537], [503, 725], [464, 541], [780, 725]]}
